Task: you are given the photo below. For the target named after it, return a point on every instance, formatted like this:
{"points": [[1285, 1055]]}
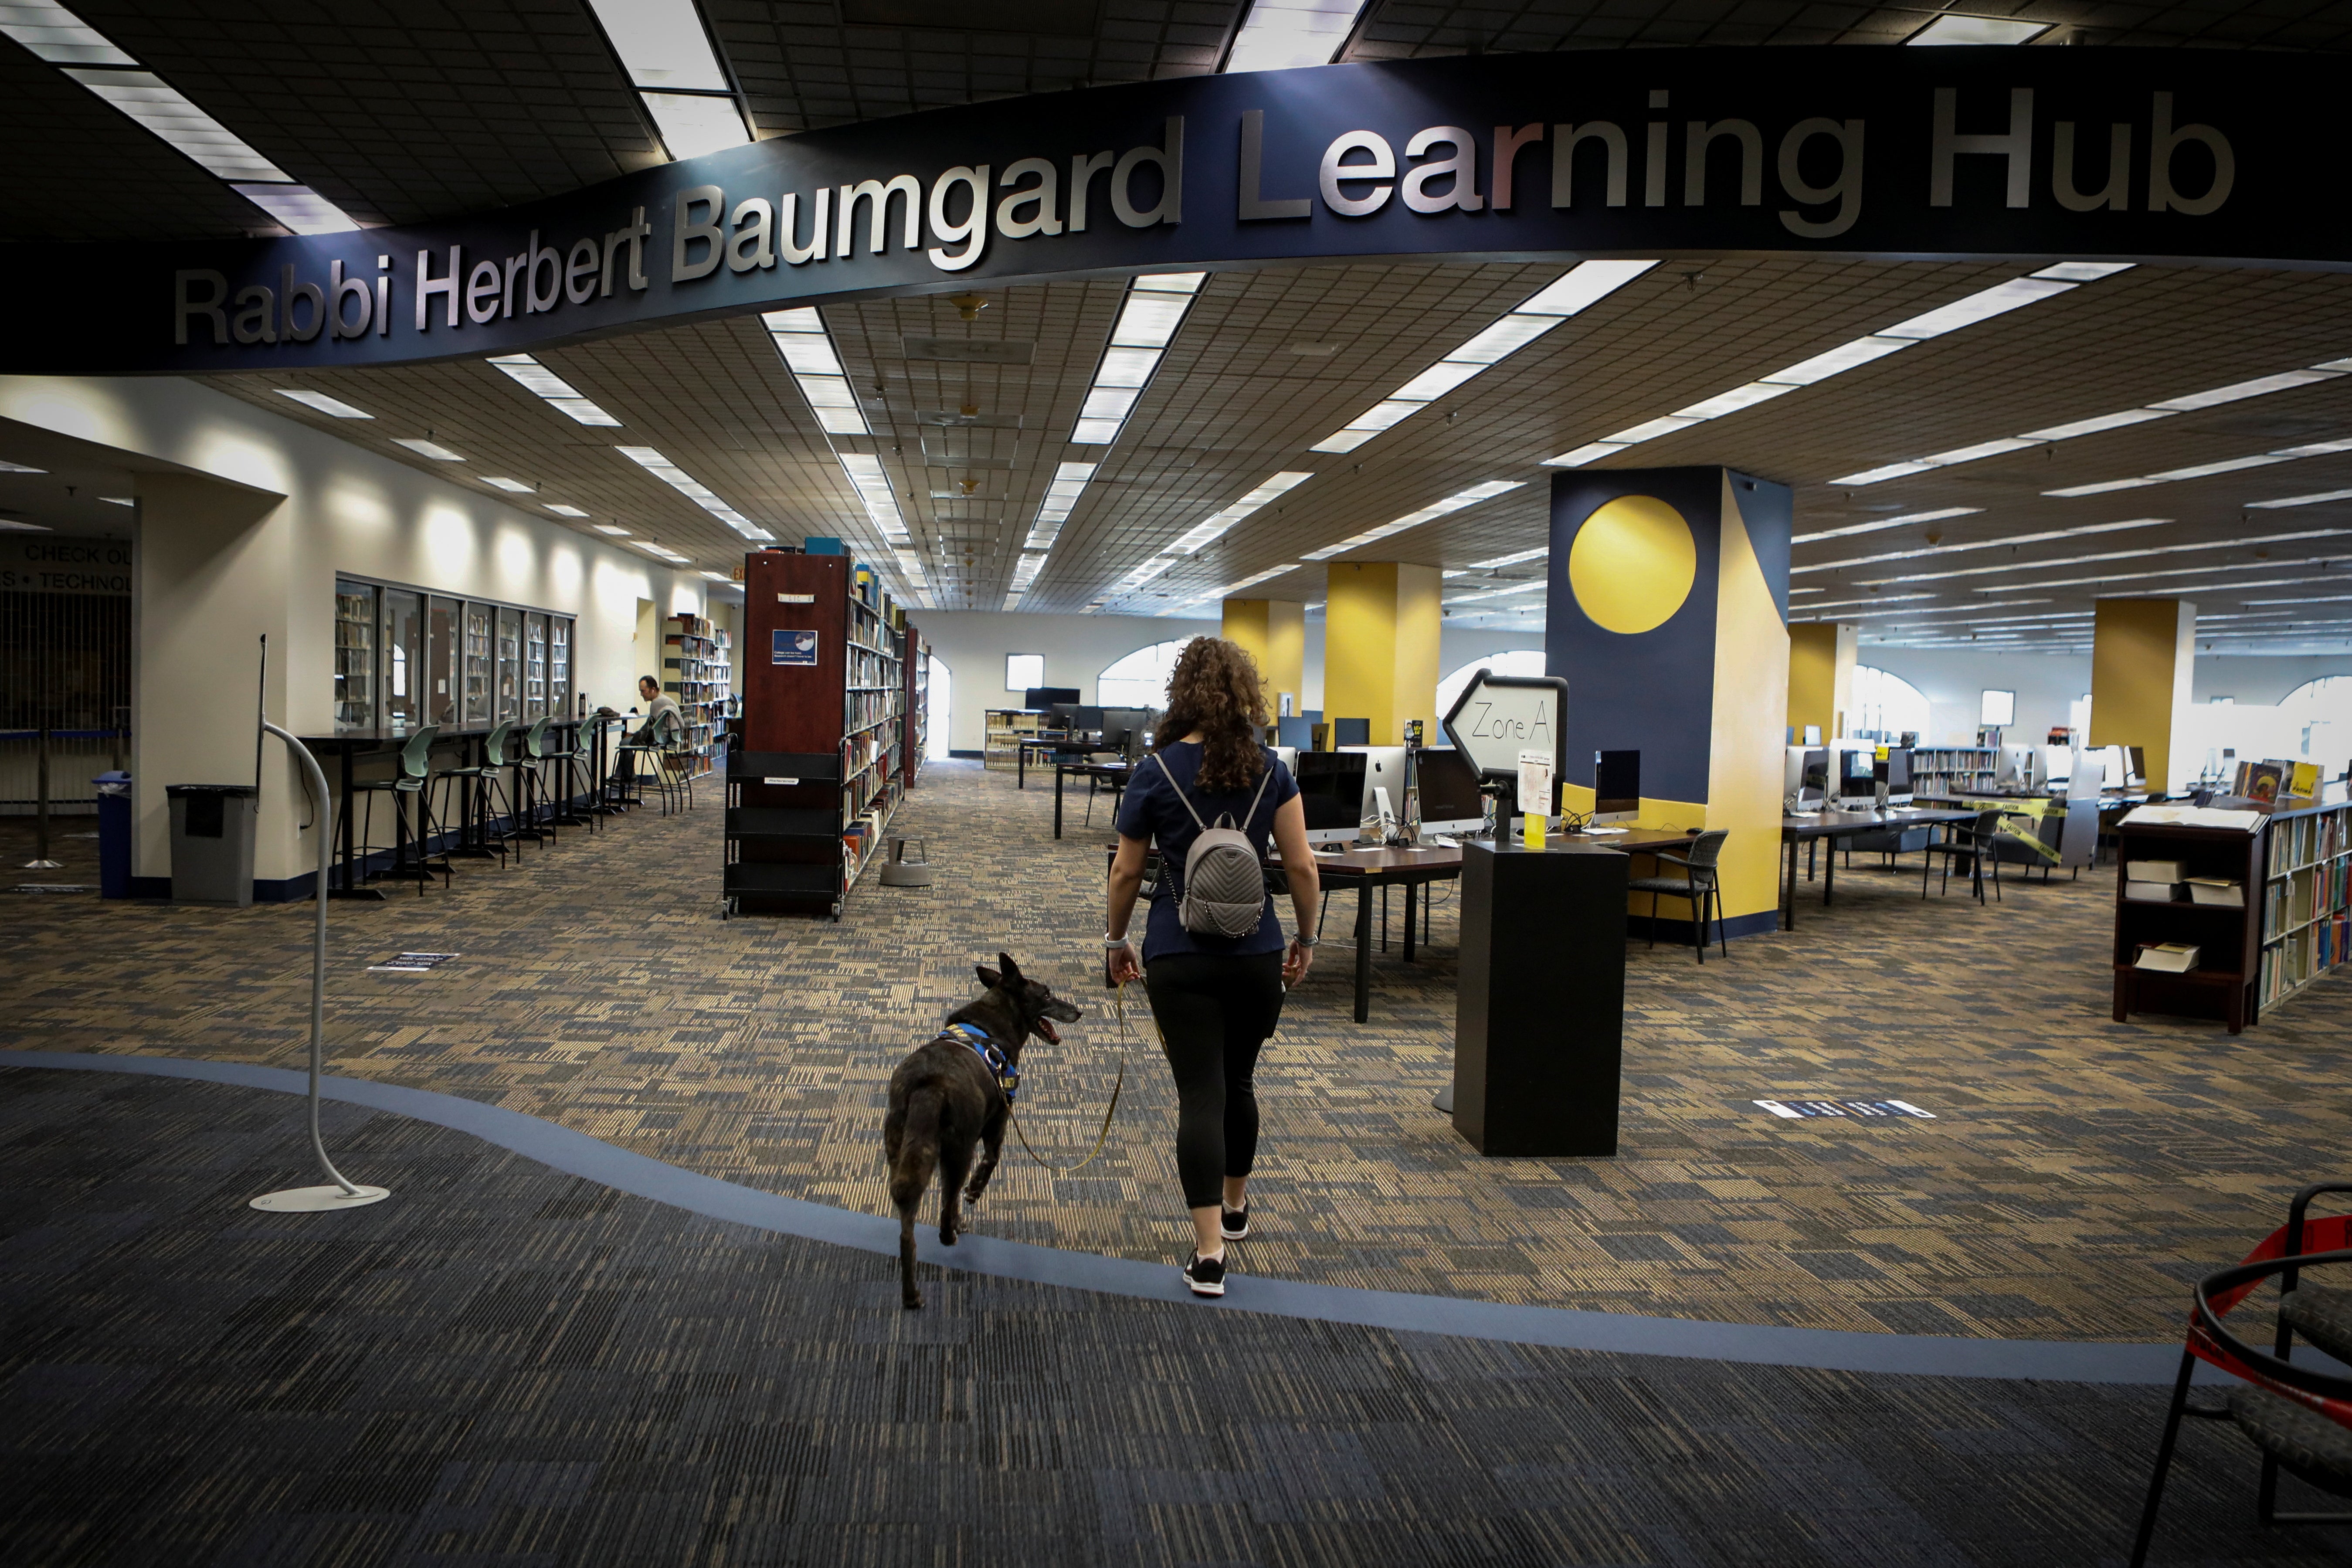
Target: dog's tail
{"points": [[910, 1174]]}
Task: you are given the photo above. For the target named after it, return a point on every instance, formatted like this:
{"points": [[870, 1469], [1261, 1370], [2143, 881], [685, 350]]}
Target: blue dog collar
{"points": [[999, 1066]]}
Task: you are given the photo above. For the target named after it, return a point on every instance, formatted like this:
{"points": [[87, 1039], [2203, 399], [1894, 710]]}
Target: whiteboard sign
{"points": [[1498, 716]]}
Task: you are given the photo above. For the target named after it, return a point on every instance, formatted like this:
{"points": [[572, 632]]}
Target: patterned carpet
{"points": [[503, 1364], [2078, 1172]]}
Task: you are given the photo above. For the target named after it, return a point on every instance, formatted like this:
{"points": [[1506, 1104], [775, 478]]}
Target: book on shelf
{"points": [[2152, 871], [2167, 957], [2192, 816], [2149, 892], [2219, 891]]}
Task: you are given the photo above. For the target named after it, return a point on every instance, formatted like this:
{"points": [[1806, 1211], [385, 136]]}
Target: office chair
{"points": [[1975, 842], [1701, 883], [415, 780]]}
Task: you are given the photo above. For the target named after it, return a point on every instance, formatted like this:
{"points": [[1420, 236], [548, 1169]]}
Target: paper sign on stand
{"points": [[1535, 794]]}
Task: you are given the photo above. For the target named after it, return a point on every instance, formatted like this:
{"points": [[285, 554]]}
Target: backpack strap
{"points": [[1180, 793], [1265, 776]]}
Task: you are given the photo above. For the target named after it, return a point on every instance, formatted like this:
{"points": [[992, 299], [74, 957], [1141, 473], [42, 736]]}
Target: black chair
{"points": [[1976, 843], [1701, 882], [2299, 1417]]}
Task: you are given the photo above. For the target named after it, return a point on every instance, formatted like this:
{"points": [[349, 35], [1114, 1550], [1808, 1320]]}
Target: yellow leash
{"points": [[1118, 1005]]}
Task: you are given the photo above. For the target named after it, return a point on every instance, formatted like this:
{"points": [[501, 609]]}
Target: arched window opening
{"points": [[1885, 706], [1140, 680], [1517, 661]]}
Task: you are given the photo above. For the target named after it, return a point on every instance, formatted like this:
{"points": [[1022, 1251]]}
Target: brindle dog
{"points": [[944, 1100]]}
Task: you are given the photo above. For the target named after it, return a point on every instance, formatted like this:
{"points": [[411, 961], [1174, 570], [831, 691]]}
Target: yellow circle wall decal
{"points": [[1633, 564]]}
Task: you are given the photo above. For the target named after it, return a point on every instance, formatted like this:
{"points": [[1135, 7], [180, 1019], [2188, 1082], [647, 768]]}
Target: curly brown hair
{"points": [[1214, 692]]}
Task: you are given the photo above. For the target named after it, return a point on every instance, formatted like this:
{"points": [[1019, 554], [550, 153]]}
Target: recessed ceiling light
{"points": [[119, 501], [609, 528], [1573, 291], [1966, 311], [2011, 540], [558, 393], [1452, 503], [1953, 28], [1909, 517], [1215, 527], [514, 487], [559, 510], [666, 51], [2208, 470], [19, 469], [301, 209], [693, 123], [800, 336], [164, 110], [432, 449], [335, 407], [1148, 319], [2211, 398], [701, 495], [1499, 561], [1286, 34]]}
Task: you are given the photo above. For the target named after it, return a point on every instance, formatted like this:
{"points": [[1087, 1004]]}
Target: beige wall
{"points": [[244, 520]]}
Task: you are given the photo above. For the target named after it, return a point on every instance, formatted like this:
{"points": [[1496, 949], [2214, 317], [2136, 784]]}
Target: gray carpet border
{"points": [[1624, 1333]]}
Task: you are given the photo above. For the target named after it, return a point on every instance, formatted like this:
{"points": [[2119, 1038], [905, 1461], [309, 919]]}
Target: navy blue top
{"points": [[1150, 810]]}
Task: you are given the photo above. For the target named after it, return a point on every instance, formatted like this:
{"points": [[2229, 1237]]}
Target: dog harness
{"points": [[992, 1056]]}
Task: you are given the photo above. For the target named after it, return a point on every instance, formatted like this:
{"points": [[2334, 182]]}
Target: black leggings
{"points": [[1216, 1010]]}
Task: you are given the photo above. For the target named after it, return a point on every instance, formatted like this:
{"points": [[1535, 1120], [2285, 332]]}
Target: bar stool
{"points": [[640, 752], [676, 760], [560, 760], [413, 779], [486, 788], [526, 790]]}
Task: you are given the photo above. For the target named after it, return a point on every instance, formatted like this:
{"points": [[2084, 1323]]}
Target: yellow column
{"points": [[1821, 677], [1274, 632], [1379, 647], [2142, 654]]}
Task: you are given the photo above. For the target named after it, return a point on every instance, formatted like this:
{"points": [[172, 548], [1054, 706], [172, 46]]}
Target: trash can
{"points": [[211, 843], [113, 835]]}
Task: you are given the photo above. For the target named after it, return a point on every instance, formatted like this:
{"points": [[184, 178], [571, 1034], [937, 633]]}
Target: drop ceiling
{"points": [[408, 113]]}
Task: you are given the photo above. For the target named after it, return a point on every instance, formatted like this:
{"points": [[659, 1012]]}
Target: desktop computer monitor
{"points": [[1383, 770], [2057, 765], [1858, 773], [1331, 791], [1616, 786], [1897, 770], [1813, 782], [1046, 696], [1089, 720], [1127, 729], [1450, 798], [1298, 733], [2135, 767], [1347, 733], [2016, 766]]}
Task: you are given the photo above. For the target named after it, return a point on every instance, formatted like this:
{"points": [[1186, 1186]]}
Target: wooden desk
{"points": [[1836, 825]]}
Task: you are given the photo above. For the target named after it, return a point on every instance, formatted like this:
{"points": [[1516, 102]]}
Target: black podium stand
{"points": [[1539, 1016]]}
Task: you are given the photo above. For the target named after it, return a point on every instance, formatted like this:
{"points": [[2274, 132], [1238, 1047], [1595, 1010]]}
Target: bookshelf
{"points": [[1006, 729], [1953, 770], [2307, 860], [355, 657], [694, 670], [818, 772], [2223, 985], [919, 704]]}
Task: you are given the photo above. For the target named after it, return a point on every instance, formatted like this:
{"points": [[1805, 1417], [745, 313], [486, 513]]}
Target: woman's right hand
{"points": [[1123, 965]]}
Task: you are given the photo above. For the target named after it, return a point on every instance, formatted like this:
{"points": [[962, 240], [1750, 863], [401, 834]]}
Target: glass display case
{"points": [[534, 665], [477, 663], [441, 621], [403, 661], [355, 643], [559, 665], [508, 688]]}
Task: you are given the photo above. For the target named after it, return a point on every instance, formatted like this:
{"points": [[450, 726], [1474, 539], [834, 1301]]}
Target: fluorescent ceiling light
{"points": [[1208, 532], [2207, 470], [808, 352], [6, 467], [298, 207], [694, 123], [120, 501], [543, 383], [2257, 387], [1581, 286], [1279, 35], [513, 487], [718, 576], [2299, 500], [1148, 319], [678, 479], [432, 449], [1498, 592], [2015, 539], [164, 110], [1909, 517], [333, 407], [1499, 561], [1873, 599], [1951, 28], [55, 35], [1966, 311], [2315, 599], [872, 482], [1228, 589], [615, 532], [1061, 497], [2115, 555], [559, 510], [661, 43], [1436, 510]]}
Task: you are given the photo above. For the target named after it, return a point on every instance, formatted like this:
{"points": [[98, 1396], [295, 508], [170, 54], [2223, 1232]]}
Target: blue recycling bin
{"points": [[113, 835]]}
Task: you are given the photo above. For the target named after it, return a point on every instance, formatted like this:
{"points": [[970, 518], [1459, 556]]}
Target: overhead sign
{"points": [[1500, 716], [54, 563], [2000, 154]]}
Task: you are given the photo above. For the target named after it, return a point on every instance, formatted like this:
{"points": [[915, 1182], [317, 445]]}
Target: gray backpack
{"points": [[1224, 890]]}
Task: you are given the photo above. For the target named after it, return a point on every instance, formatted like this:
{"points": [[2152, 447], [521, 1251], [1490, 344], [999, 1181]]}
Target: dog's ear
{"points": [[988, 977], [1012, 970]]}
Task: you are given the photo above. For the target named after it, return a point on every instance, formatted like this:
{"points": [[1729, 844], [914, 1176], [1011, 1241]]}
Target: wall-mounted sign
{"points": [[794, 648], [1979, 152], [53, 563]]}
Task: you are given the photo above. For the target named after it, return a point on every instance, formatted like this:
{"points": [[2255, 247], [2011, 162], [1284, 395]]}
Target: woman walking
{"points": [[1217, 996]]}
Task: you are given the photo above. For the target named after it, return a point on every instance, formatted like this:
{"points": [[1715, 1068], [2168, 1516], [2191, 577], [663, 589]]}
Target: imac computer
{"points": [[1126, 730], [1616, 786], [1384, 773], [1858, 775], [1086, 721], [1895, 772], [1814, 778], [1450, 797], [2134, 767], [1331, 791], [2016, 767]]}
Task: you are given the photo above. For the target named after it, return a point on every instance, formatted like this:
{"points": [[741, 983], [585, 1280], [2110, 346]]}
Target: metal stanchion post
{"points": [[40, 860]]}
